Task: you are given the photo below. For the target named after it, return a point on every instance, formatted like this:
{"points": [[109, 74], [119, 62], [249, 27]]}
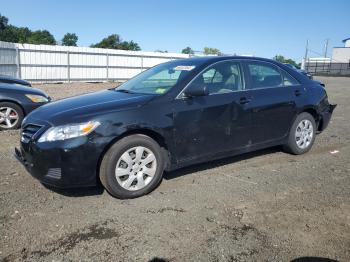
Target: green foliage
{"points": [[3, 22], [282, 59], [125, 45], [23, 33], [41, 37], [115, 42], [15, 34], [211, 51], [70, 39], [188, 50], [10, 33]]}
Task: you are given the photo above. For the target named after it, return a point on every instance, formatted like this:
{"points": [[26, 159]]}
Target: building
{"points": [[342, 54], [338, 64]]}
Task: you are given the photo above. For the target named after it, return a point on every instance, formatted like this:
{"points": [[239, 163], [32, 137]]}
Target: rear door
{"points": [[273, 93]]}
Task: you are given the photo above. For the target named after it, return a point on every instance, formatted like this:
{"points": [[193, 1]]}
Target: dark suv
{"points": [[173, 115]]}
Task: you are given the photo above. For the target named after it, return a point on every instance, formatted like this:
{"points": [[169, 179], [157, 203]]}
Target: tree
{"points": [[111, 42], [11, 33], [125, 45], [23, 34], [8, 33], [188, 50], [211, 51], [282, 59], [41, 37], [115, 42], [70, 39], [3, 22]]}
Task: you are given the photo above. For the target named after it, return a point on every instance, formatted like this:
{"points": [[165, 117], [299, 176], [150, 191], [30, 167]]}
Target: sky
{"points": [[251, 27]]}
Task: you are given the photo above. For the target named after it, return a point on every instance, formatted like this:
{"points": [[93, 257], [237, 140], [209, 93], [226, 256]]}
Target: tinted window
{"points": [[221, 77], [288, 80], [264, 75]]}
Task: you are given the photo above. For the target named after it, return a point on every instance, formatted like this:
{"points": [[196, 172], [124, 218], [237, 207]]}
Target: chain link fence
{"points": [[327, 68]]}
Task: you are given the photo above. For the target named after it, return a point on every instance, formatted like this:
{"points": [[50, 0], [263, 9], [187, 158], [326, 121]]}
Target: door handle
{"points": [[244, 100], [297, 92]]}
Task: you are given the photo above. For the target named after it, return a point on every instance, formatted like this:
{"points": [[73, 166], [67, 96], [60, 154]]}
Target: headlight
{"points": [[68, 131], [37, 98]]}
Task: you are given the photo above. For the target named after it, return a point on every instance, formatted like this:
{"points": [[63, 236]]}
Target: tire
{"points": [[15, 111], [113, 165], [300, 146]]}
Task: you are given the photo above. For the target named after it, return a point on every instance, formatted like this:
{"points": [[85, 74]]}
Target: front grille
{"points": [[29, 131]]}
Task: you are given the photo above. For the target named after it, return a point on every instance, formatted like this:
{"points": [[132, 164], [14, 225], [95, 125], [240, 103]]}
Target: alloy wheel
{"points": [[8, 117], [304, 134]]}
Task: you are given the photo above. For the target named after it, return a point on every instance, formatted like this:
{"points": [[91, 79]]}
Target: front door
{"points": [[215, 123]]}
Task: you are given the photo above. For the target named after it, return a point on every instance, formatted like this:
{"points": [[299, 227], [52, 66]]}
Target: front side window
{"points": [[264, 75], [222, 77]]}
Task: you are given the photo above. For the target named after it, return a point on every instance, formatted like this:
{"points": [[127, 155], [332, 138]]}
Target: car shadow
{"points": [[77, 192], [217, 163], [313, 259]]}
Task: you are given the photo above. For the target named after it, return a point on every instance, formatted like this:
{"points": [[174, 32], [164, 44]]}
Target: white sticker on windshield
{"points": [[184, 68]]}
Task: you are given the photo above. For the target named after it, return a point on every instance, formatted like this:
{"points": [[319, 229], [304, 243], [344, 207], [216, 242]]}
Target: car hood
{"points": [[18, 88], [89, 105], [12, 80]]}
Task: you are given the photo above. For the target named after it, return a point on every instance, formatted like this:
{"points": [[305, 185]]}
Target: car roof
{"points": [[208, 59]]}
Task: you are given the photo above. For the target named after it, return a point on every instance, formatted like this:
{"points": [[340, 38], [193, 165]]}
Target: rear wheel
{"points": [[302, 134], [11, 116], [132, 167]]}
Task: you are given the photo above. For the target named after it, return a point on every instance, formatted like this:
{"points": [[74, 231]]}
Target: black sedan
{"points": [[175, 114], [16, 101]]}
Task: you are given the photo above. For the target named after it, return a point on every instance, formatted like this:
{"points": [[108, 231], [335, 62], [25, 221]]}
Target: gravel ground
{"points": [[263, 206]]}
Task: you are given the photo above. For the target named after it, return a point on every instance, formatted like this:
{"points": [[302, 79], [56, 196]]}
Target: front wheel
{"points": [[132, 167], [302, 134], [11, 116]]}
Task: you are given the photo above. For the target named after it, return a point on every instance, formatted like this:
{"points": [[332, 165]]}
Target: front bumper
{"points": [[62, 164], [325, 117]]}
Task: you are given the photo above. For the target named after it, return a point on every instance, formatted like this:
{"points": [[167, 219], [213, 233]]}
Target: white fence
{"points": [[45, 63]]}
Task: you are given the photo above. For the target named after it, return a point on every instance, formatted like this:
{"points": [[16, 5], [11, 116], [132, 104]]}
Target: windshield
{"points": [[159, 79]]}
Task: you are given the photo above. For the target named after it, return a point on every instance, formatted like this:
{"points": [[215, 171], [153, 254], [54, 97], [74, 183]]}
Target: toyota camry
{"points": [[173, 115]]}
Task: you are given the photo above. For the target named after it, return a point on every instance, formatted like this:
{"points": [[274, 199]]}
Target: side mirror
{"points": [[196, 90]]}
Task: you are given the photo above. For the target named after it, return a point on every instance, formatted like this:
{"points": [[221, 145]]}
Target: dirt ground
{"points": [[263, 206]]}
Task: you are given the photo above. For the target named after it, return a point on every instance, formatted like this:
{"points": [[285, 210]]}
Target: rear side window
{"points": [[264, 75], [288, 80]]}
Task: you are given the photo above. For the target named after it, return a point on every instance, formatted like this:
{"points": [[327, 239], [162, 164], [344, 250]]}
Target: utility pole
{"points": [[326, 48], [304, 65], [306, 50]]}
